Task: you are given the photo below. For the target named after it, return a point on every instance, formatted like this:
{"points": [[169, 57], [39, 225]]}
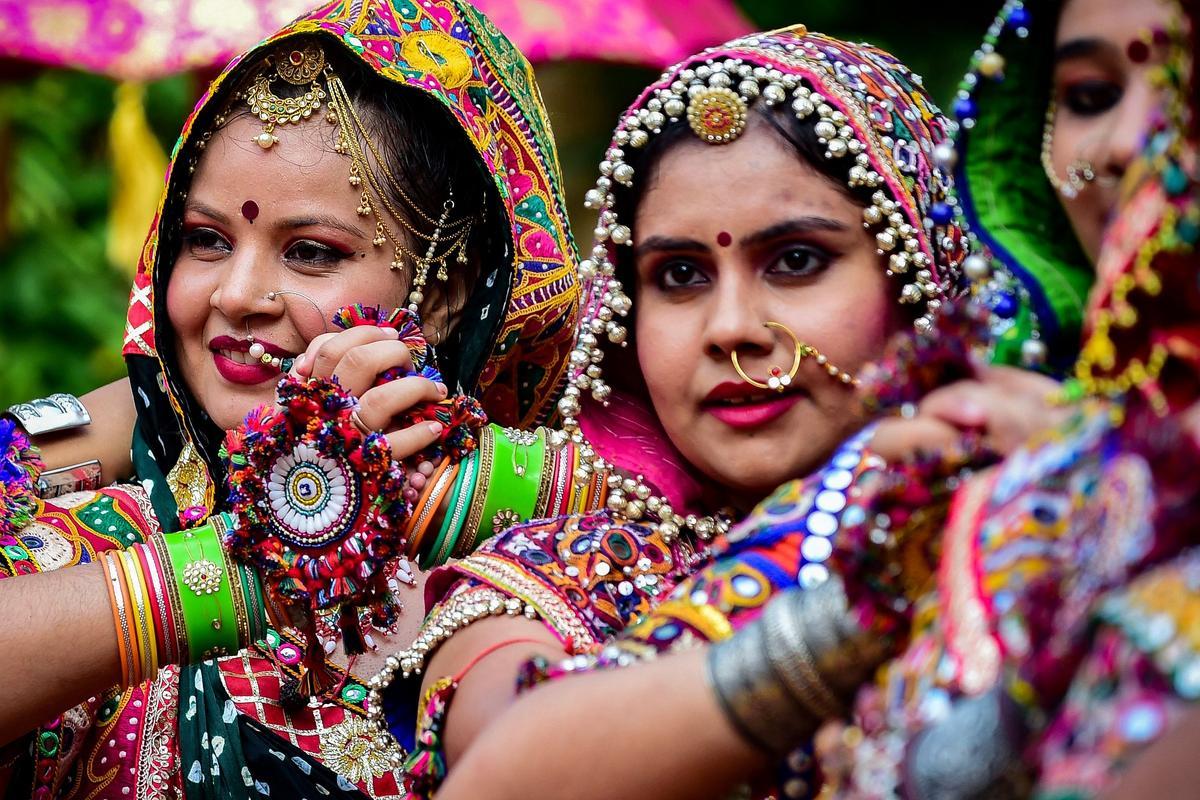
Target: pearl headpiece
{"points": [[856, 98]]}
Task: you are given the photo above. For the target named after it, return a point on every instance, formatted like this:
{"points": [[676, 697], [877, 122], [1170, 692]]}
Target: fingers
{"points": [[380, 405], [361, 366], [410, 441], [963, 404], [898, 440], [326, 353]]}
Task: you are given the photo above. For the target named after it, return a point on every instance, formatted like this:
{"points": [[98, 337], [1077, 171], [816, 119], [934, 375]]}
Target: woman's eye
{"points": [[800, 261], [311, 252], [678, 274], [1090, 98], [206, 242]]}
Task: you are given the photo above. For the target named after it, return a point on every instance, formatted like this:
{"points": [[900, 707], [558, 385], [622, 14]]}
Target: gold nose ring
{"points": [[777, 379]]}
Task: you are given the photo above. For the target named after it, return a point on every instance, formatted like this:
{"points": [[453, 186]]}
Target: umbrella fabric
{"points": [[144, 39]]}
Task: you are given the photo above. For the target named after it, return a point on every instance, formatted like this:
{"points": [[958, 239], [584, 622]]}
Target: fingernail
{"points": [[442, 390], [435, 427], [299, 360]]}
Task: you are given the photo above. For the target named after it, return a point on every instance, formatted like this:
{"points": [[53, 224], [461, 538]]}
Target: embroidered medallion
{"points": [[356, 751]]}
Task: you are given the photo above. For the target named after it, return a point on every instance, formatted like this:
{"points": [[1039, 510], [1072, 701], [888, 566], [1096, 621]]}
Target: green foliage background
{"points": [[64, 303]]}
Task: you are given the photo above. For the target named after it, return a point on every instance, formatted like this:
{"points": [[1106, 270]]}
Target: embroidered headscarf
{"points": [[519, 320], [870, 114], [1005, 196]]}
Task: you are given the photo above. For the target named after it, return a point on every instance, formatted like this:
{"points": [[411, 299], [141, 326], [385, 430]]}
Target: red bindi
{"points": [[724, 239], [250, 210], [1138, 51]]}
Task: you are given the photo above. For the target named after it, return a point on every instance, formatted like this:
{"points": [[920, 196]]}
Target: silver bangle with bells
{"points": [[58, 413]]}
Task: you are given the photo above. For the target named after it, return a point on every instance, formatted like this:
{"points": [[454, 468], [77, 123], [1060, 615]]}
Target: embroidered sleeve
{"points": [[74, 528], [787, 540], [20, 466], [586, 577]]}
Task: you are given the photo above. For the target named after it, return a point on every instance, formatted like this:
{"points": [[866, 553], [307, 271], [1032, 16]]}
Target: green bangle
{"points": [[256, 604], [205, 592], [457, 502], [513, 489]]}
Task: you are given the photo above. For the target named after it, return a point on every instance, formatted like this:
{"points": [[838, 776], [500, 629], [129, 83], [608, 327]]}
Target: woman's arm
{"points": [[62, 635], [653, 730], [106, 439]]}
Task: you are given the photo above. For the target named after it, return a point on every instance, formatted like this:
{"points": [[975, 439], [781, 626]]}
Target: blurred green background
{"points": [[64, 288]]}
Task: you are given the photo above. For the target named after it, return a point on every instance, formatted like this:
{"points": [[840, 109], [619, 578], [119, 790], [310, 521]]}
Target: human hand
{"points": [[1003, 406], [357, 357]]}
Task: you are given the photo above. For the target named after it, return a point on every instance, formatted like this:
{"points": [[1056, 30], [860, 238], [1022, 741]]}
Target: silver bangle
{"points": [[58, 412], [83, 477], [751, 695], [789, 623]]}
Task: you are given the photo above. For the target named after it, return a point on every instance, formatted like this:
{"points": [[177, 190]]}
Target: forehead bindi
{"points": [[250, 211]]}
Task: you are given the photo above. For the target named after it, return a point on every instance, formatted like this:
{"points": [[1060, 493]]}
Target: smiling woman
{"points": [[367, 154]]}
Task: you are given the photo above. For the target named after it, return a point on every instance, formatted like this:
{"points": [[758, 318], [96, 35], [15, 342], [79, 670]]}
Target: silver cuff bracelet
{"points": [[58, 412]]}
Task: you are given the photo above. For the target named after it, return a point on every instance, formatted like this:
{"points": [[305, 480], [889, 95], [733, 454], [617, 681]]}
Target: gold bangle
{"points": [[547, 482], [143, 626], [240, 618], [487, 449], [113, 583]]}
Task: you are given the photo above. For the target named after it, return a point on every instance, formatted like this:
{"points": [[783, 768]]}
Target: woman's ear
{"points": [[443, 306]]}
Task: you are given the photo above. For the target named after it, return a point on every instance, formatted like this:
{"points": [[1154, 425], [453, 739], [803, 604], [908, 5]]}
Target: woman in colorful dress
{"points": [[852, 218], [1052, 111], [373, 153], [1053, 632]]}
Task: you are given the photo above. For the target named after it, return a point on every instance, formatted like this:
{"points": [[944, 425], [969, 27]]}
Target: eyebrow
{"points": [[790, 227], [313, 220], [208, 211], [288, 223], [1079, 48]]}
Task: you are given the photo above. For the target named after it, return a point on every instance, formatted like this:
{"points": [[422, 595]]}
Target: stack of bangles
{"points": [[512, 477], [179, 599], [795, 666]]}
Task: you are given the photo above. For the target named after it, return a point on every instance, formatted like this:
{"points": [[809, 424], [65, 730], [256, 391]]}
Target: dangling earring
{"points": [[418, 294], [777, 379]]}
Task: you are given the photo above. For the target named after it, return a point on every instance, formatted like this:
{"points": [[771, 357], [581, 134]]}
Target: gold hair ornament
{"points": [[307, 65]]}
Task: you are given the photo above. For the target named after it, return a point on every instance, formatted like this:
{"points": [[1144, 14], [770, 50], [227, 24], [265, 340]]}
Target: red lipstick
{"points": [[744, 407], [233, 362]]}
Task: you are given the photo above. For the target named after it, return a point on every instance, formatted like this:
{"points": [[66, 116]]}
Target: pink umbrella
{"points": [[143, 39]]}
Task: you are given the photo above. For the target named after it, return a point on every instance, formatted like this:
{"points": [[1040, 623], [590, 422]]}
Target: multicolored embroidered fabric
{"points": [[1061, 638], [613, 593], [449, 52]]}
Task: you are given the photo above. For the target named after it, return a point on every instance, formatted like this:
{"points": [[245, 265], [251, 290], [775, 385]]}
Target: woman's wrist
{"points": [[179, 598], [796, 666]]}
